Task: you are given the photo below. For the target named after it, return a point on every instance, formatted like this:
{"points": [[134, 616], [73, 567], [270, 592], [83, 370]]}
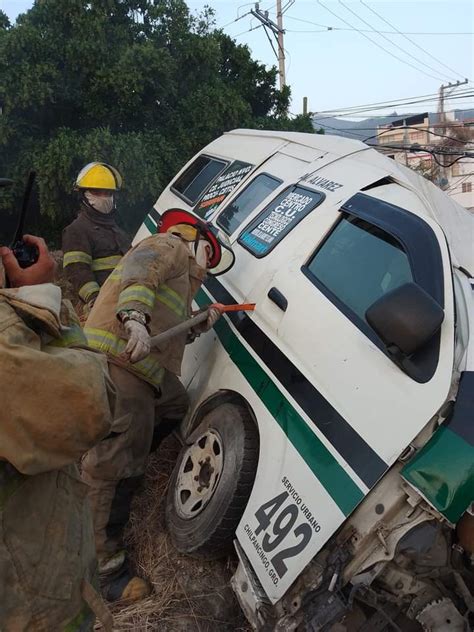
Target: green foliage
{"points": [[141, 84]]}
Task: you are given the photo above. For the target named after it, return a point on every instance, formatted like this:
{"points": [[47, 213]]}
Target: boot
{"points": [[118, 581]]}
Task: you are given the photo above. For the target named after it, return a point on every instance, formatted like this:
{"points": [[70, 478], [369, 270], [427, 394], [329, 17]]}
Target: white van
{"points": [[332, 429]]}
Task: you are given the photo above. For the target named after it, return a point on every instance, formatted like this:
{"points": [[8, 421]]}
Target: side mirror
{"points": [[405, 319]]}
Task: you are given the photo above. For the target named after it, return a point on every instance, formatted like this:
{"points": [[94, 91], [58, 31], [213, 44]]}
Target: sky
{"points": [[336, 69]]}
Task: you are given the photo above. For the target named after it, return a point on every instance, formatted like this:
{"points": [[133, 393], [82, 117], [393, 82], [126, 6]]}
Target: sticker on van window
{"points": [[279, 217], [222, 187]]}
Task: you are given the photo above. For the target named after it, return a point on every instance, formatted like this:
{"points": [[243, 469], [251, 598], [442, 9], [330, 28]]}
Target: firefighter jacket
{"points": [[56, 403], [92, 245], [158, 277]]}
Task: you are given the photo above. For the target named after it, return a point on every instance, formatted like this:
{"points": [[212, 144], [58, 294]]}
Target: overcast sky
{"points": [[340, 68]]}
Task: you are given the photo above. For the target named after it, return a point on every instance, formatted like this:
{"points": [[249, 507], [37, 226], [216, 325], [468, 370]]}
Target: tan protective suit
{"points": [[159, 277], [55, 404]]}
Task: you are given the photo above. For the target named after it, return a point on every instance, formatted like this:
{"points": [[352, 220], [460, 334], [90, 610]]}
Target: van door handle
{"points": [[278, 298]]}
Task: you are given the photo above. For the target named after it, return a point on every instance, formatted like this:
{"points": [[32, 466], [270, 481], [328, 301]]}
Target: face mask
{"points": [[202, 253], [100, 203]]}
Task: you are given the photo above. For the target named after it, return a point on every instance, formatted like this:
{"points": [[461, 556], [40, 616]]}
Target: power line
{"points": [[338, 28], [396, 45], [253, 28], [419, 129], [404, 35], [384, 107], [239, 17], [399, 48], [363, 105]]}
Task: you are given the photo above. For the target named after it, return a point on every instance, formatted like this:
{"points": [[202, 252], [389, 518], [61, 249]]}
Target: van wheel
{"points": [[212, 481]]}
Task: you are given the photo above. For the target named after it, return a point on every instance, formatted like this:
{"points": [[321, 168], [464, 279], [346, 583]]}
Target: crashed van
{"points": [[331, 431]]}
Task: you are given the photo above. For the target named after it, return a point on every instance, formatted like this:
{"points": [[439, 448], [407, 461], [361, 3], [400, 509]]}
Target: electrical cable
{"points": [[439, 73], [410, 40], [338, 28], [420, 129], [235, 20], [407, 63], [420, 96], [254, 28], [385, 107]]}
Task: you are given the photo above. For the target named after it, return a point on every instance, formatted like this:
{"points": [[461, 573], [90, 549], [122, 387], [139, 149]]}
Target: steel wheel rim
{"points": [[199, 475]]}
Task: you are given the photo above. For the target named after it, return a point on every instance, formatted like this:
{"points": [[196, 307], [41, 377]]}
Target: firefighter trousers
{"points": [[114, 468]]}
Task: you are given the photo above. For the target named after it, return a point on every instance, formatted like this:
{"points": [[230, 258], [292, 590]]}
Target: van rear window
{"points": [[278, 219], [241, 206], [197, 177]]}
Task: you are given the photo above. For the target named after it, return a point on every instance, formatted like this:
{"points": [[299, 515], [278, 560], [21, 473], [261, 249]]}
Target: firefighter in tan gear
{"points": [[150, 291], [55, 404], [93, 244]]}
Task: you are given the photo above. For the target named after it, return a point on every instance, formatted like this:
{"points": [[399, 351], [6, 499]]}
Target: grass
{"points": [[188, 594]]}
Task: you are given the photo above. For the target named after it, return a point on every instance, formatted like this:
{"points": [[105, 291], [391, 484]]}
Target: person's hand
{"points": [[139, 345], [43, 271], [213, 315]]}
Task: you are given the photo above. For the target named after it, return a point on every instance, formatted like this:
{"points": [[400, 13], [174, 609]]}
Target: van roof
{"points": [[455, 220], [335, 144]]}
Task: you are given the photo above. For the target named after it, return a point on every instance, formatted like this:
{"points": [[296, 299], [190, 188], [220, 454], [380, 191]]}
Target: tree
{"points": [[140, 84]]}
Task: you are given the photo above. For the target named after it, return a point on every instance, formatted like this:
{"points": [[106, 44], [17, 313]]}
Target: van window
{"points": [[197, 177], [222, 187], [358, 263], [241, 206], [278, 219]]}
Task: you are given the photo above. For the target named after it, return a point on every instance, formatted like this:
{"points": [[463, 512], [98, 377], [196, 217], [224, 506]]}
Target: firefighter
{"points": [[93, 243], [55, 403], [150, 291]]}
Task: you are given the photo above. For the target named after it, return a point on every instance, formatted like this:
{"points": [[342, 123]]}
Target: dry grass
{"points": [[189, 595]]}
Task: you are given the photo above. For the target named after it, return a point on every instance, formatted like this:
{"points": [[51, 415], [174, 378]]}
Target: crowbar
{"points": [[199, 318]]}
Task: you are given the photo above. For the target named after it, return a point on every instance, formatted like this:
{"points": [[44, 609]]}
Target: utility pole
{"points": [[278, 30], [441, 111], [442, 178], [281, 48]]}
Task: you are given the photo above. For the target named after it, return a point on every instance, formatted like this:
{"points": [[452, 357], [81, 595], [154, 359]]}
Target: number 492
{"points": [[282, 521]]}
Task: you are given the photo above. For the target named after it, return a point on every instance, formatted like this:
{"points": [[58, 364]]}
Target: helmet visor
{"points": [[227, 258]]}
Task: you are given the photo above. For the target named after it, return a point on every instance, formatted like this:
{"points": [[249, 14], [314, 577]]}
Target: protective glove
{"points": [[138, 346], [213, 316]]}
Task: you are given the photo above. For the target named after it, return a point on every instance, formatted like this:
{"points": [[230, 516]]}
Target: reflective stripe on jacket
{"points": [[92, 245], [158, 277]]}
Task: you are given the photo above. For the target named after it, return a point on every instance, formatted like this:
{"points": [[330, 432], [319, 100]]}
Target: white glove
{"points": [[213, 315], [138, 346]]}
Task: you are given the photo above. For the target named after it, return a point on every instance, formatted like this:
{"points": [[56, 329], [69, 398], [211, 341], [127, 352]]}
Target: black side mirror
{"points": [[405, 319]]}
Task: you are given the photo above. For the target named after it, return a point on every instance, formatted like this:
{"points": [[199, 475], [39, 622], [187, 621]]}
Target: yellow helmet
{"points": [[98, 175]]}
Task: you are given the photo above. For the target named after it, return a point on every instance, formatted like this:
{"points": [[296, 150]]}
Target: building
{"points": [[456, 179]]}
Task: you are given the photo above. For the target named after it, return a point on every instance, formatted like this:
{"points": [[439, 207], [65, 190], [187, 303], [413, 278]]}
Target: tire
{"points": [[212, 481]]}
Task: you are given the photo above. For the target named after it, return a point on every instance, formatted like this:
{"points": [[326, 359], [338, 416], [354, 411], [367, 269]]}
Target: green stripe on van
{"points": [[150, 224], [337, 482]]}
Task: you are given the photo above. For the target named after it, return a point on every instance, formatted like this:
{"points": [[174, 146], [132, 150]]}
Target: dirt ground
{"points": [[189, 595]]}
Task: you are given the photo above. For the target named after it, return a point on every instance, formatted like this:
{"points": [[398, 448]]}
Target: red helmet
{"points": [[192, 228]]}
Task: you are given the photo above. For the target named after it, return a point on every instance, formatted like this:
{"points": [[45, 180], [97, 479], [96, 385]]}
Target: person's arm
{"points": [[43, 271], [55, 404], [77, 263], [145, 269]]}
